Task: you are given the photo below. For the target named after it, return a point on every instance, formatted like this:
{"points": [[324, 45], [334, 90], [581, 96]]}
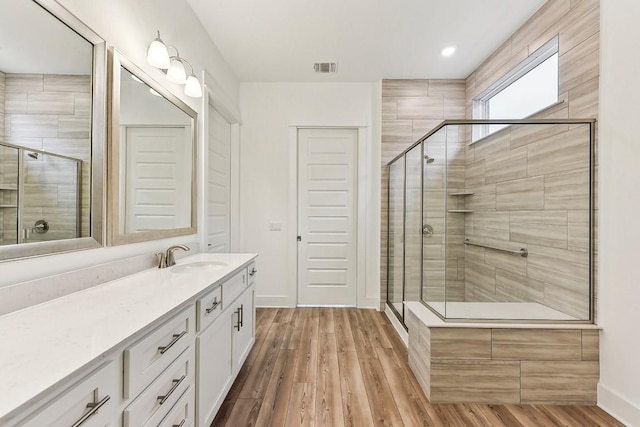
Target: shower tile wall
{"points": [[51, 113], [531, 184], [410, 109]]}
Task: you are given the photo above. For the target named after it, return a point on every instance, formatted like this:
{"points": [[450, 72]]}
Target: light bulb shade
{"points": [[176, 72], [192, 87], [157, 55]]}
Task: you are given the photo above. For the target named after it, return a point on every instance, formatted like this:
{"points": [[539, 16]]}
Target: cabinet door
{"points": [[243, 316], [214, 368]]}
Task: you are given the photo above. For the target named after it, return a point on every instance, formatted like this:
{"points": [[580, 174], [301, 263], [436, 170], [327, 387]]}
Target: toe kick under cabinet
{"points": [[175, 372]]}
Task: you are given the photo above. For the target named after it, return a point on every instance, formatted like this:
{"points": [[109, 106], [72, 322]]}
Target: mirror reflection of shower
{"points": [[39, 200]]}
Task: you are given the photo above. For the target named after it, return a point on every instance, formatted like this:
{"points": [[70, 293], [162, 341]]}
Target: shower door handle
{"points": [[427, 230]]}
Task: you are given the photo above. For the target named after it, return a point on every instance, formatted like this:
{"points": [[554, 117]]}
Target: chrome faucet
{"points": [[168, 259]]}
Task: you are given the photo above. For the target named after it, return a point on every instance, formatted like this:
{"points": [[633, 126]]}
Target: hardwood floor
{"points": [[348, 367]]}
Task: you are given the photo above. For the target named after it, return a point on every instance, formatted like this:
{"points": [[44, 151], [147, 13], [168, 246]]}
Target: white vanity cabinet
{"points": [[243, 315], [90, 403], [223, 346], [168, 356]]}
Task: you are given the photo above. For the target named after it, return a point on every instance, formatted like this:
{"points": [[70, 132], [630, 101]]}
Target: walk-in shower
{"points": [[40, 195], [498, 225]]}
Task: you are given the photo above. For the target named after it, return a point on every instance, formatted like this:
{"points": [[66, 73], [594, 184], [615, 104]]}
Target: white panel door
{"points": [[219, 184], [155, 159], [327, 212]]}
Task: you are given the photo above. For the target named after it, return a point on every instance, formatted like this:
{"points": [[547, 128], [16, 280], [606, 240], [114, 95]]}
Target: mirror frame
{"points": [[116, 61], [98, 136]]}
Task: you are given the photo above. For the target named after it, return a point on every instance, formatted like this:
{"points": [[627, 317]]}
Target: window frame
{"points": [[481, 102]]}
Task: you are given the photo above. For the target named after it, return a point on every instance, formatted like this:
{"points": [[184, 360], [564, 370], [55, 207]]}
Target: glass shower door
{"points": [[395, 229], [413, 224]]}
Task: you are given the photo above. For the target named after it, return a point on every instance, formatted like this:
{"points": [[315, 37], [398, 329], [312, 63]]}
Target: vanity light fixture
{"points": [[173, 67], [448, 51], [157, 54]]}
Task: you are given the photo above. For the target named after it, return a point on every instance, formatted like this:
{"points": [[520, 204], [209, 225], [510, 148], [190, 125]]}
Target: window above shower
{"points": [[530, 87]]}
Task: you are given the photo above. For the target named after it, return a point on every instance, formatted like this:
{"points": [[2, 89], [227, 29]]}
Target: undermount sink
{"points": [[194, 267]]}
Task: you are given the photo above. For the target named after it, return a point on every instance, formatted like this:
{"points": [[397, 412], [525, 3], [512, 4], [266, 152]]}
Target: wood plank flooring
{"points": [[348, 367]]}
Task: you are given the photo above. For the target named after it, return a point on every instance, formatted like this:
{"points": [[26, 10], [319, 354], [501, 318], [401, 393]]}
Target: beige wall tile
{"points": [[536, 344], [527, 194], [526, 134], [475, 381], [511, 286], [397, 131], [33, 125], [82, 104], [579, 231], [540, 22], [559, 382], [583, 99], [50, 103], [421, 108], [567, 190], [24, 82], [580, 64], [547, 228], [490, 224], [404, 88], [67, 83], [74, 127], [562, 152], [507, 166], [460, 343], [448, 89], [590, 345], [389, 109], [15, 103]]}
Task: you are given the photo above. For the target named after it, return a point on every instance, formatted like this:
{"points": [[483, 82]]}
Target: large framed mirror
{"points": [[52, 131], [152, 158]]}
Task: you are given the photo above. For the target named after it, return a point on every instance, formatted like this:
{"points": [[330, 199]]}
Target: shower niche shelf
{"points": [[460, 211], [462, 193]]}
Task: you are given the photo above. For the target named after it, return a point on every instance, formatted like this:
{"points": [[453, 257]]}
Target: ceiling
{"points": [[34, 41], [279, 40]]}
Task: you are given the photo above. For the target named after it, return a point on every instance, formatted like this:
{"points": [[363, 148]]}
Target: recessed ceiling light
{"points": [[153, 92], [448, 51], [136, 78]]}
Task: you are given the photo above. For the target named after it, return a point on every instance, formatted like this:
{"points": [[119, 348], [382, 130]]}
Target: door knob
{"points": [[427, 230]]}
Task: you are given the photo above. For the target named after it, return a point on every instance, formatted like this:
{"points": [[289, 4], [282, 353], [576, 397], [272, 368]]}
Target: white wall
{"points": [[130, 26], [619, 233], [270, 112]]}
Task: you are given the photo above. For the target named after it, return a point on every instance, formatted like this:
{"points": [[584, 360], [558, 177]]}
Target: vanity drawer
{"points": [[183, 412], [253, 272], [232, 288], [151, 355], [94, 399], [209, 307], [155, 402]]}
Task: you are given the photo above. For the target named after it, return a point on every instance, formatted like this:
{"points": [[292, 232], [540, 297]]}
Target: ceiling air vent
{"points": [[325, 67]]}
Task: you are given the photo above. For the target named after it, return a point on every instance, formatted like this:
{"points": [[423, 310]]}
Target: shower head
{"points": [[429, 159], [33, 155]]}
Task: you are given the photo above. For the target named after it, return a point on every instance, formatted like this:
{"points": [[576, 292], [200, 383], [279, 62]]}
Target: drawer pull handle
{"points": [[176, 384], [241, 315], [216, 303], [175, 339], [238, 325], [94, 410], [253, 272], [184, 420]]}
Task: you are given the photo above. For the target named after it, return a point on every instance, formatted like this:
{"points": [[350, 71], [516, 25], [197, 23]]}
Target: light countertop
{"points": [[44, 344]]}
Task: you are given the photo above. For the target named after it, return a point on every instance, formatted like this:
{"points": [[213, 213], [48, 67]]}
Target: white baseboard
{"points": [[370, 303], [273, 301], [617, 406], [404, 335], [268, 301]]}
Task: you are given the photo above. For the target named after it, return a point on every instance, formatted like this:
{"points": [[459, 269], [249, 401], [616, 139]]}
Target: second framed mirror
{"points": [[151, 159]]}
